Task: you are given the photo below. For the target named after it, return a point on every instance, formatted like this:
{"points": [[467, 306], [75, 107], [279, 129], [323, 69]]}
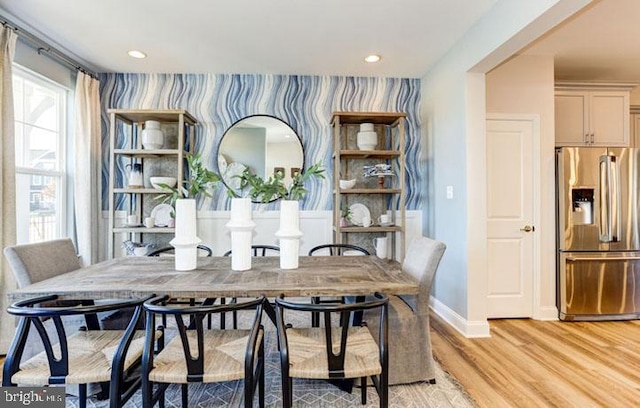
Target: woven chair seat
{"points": [[224, 357], [90, 357], [308, 353]]}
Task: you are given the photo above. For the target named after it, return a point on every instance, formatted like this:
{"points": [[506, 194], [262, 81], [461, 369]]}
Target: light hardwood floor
{"points": [[528, 363]]}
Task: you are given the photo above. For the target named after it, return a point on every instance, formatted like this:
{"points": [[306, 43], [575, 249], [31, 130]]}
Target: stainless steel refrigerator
{"points": [[598, 236]]}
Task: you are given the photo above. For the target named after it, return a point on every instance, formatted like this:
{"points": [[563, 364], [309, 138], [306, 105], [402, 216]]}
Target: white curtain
{"points": [[8, 177], [88, 165]]}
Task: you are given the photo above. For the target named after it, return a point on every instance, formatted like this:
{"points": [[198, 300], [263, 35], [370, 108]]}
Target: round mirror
{"points": [[262, 143]]}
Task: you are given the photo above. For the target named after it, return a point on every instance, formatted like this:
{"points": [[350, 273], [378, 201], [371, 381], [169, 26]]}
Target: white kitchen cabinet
{"points": [[592, 118]]}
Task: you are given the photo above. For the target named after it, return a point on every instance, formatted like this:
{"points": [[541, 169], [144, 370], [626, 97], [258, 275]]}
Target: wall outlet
{"points": [[449, 192]]}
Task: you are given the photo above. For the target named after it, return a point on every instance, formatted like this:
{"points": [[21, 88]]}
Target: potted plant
{"points": [[183, 199], [273, 188], [200, 181], [345, 218]]}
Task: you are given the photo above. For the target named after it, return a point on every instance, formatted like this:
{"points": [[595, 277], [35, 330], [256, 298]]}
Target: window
{"points": [[41, 133]]}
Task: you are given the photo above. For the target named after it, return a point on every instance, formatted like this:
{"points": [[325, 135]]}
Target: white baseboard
{"points": [[547, 313], [469, 329]]}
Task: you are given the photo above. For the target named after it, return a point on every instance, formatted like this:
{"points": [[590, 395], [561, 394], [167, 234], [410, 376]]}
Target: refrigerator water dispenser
{"points": [[582, 199]]}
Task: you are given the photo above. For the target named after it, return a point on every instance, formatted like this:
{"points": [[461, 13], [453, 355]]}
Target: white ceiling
{"points": [[600, 43], [311, 37], [327, 37]]}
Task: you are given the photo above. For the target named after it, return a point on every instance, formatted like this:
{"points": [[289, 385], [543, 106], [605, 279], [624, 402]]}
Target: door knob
{"points": [[528, 228]]}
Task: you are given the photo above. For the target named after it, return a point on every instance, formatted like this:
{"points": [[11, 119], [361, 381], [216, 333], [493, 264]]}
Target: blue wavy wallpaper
{"points": [[306, 103]]}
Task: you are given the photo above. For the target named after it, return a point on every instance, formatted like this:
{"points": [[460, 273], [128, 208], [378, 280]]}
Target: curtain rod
{"points": [[42, 46]]}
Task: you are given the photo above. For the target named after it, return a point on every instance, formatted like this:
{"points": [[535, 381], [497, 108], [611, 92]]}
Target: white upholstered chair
{"points": [[410, 354]]}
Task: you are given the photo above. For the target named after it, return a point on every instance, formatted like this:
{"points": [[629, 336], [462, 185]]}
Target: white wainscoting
{"points": [[316, 226]]}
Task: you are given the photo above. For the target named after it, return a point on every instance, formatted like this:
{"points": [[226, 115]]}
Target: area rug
{"points": [[307, 393]]}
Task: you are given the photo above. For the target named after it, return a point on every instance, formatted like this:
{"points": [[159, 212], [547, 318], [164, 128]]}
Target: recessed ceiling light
{"points": [[137, 54], [372, 58]]}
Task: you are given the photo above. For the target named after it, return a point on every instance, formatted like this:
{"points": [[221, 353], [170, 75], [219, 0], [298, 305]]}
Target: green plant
{"points": [[200, 181], [296, 190], [263, 191], [346, 213]]}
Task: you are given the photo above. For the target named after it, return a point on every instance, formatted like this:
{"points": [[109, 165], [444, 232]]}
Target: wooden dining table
{"points": [[128, 277]]}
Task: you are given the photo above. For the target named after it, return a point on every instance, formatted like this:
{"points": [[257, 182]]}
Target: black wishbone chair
{"points": [[338, 352], [203, 250], [204, 356], [87, 356]]}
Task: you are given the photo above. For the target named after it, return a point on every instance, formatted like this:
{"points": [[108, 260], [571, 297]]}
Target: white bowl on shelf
{"points": [[347, 184], [157, 180]]}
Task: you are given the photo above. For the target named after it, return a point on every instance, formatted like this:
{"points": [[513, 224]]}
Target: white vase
{"points": [[289, 234], [152, 135], [367, 140], [241, 226], [185, 241]]}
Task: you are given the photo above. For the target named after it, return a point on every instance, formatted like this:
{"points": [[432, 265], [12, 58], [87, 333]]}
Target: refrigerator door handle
{"points": [[604, 178], [614, 197], [601, 259]]}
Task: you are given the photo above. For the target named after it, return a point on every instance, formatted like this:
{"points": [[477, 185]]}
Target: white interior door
{"points": [[510, 228]]}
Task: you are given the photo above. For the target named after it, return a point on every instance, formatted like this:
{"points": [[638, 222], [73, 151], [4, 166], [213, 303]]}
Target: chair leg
{"points": [[147, 392], [315, 317], [287, 397], [185, 395], [82, 395], [261, 377], [363, 390], [223, 316], [161, 399], [384, 389]]}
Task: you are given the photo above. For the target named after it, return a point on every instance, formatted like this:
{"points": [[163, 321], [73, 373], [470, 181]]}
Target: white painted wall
{"points": [[453, 113], [525, 85]]}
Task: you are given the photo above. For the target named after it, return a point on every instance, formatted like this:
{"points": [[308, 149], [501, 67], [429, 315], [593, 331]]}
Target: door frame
{"points": [[534, 119]]}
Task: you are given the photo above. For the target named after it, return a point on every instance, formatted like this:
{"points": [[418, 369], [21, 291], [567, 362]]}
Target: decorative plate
{"points": [[222, 164], [162, 214], [233, 169], [358, 212]]}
